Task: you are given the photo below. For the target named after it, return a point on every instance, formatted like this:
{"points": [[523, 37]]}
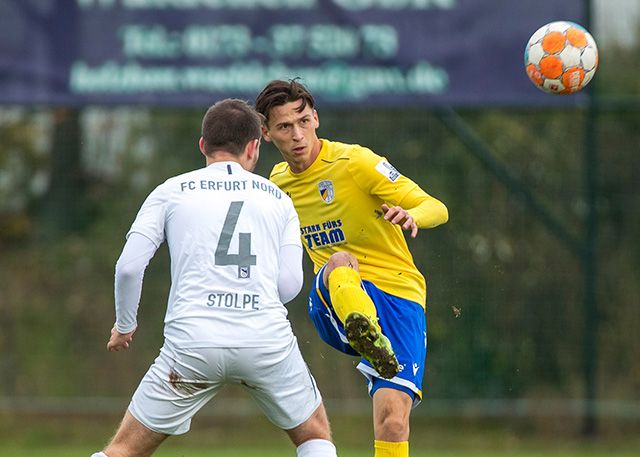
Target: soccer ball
{"points": [[561, 58]]}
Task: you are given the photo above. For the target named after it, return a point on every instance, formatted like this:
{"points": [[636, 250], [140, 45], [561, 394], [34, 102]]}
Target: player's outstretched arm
{"points": [[424, 212], [427, 211]]}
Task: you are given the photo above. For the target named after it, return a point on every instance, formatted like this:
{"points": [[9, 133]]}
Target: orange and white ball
{"points": [[561, 58]]}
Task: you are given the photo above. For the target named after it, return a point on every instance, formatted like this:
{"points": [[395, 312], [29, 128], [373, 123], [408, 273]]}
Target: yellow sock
{"points": [[347, 296], [390, 449]]}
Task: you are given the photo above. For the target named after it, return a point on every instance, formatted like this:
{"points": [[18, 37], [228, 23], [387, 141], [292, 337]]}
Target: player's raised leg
{"points": [[357, 312], [132, 440], [312, 438], [391, 409]]}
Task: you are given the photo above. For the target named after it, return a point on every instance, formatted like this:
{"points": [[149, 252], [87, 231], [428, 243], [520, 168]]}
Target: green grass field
{"points": [[67, 436]]}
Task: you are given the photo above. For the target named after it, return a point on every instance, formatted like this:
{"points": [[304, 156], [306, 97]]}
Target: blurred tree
{"points": [[64, 205]]}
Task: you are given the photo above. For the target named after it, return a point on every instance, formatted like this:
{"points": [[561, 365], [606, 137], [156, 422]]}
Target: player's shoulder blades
{"points": [[270, 186], [167, 183], [182, 176]]}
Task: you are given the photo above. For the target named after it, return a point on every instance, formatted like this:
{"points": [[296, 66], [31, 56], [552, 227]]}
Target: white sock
{"points": [[99, 454], [317, 448]]}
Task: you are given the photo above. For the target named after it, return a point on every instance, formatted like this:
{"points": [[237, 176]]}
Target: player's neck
{"points": [[222, 156], [299, 168]]}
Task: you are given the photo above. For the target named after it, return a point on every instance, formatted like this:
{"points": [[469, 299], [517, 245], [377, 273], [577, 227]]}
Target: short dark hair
{"points": [[279, 92], [229, 125]]}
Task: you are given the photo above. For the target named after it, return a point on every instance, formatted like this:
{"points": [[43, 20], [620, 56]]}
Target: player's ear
{"points": [[250, 155], [316, 118], [265, 134], [256, 150], [201, 145], [252, 148]]}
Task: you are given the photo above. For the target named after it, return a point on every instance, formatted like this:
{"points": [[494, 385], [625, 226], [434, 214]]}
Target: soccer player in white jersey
{"points": [[236, 257]]}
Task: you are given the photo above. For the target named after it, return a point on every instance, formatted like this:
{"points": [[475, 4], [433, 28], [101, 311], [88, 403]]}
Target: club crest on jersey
{"points": [[326, 191]]}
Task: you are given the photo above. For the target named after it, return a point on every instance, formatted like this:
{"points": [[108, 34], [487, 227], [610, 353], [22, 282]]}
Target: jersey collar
{"points": [[225, 165]]}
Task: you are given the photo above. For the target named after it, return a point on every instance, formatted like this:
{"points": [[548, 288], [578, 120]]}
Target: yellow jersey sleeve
{"points": [[375, 173]]}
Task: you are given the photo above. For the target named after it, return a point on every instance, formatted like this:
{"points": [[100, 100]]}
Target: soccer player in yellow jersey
{"points": [[368, 297]]}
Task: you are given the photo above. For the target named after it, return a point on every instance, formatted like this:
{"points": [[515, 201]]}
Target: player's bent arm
{"points": [[426, 211], [136, 254], [290, 277], [373, 174]]}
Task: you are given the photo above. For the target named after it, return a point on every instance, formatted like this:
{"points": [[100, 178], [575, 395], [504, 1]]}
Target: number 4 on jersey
{"points": [[243, 258]]}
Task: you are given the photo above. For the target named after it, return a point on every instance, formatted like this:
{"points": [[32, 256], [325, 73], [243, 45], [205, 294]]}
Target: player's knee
{"points": [[393, 427], [339, 259], [342, 259]]}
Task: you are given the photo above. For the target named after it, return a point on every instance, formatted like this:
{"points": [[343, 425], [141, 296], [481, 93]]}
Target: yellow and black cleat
{"points": [[367, 339]]}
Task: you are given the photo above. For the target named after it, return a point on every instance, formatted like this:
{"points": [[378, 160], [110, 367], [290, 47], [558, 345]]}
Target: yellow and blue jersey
{"points": [[338, 200]]}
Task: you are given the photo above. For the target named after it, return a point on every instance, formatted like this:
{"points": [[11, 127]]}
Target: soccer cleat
{"points": [[367, 339]]}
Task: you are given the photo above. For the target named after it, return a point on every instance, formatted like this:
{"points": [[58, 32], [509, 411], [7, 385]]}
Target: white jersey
{"points": [[224, 227]]}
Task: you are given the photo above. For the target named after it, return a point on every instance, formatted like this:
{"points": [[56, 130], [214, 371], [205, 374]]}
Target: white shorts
{"points": [[181, 381]]}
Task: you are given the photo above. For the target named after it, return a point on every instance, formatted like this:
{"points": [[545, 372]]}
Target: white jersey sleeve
{"points": [[291, 277], [133, 261], [151, 218]]}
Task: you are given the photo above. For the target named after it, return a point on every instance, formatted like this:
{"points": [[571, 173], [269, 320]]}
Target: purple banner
{"points": [[355, 52]]}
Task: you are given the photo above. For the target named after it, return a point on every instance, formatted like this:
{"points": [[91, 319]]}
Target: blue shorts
{"points": [[402, 321]]}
